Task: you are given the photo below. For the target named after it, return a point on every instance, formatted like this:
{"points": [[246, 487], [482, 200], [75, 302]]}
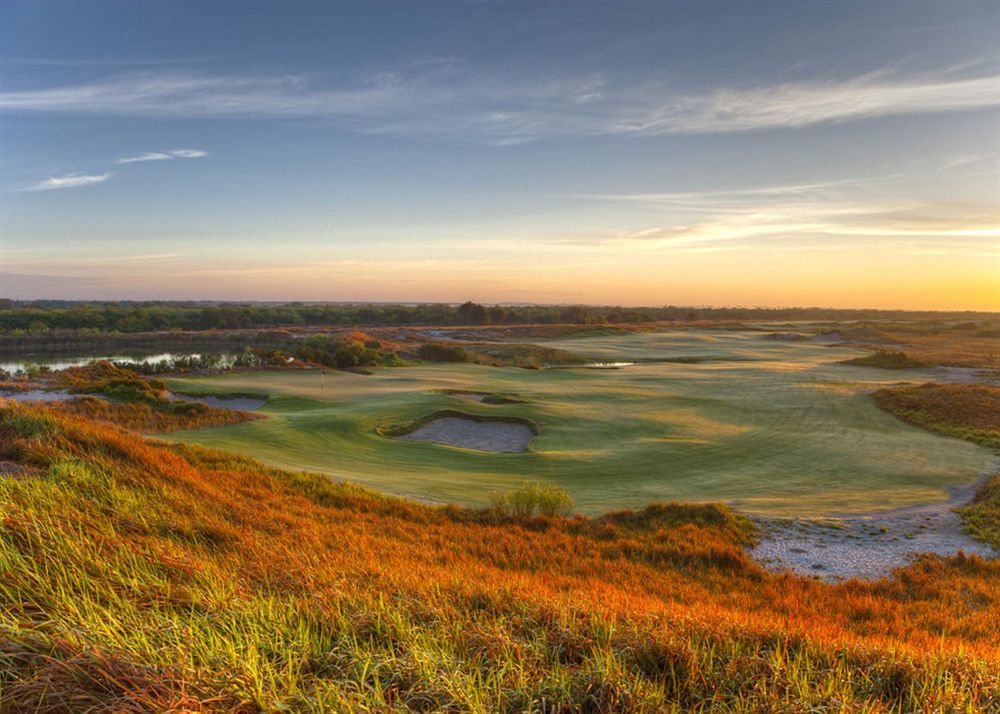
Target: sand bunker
{"points": [[239, 403], [868, 546], [471, 396], [493, 435]]}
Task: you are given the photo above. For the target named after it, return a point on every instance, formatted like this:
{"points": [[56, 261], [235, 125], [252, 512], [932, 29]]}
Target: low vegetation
{"points": [[136, 402], [948, 342], [883, 359], [532, 499], [177, 416], [138, 576], [354, 350], [436, 352], [982, 516], [965, 411]]}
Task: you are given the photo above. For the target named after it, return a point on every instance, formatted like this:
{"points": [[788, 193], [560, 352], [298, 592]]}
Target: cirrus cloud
{"points": [[452, 100], [68, 181], [163, 156]]}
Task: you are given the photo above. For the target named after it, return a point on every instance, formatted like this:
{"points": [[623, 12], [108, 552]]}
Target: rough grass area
{"points": [[982, 516], [137, 402], [972, 343], [886, 360], [139, 577], [142, 417], [965, 411]]}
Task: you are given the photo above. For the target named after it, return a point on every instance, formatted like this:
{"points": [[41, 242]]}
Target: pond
{"points": [[12, 365]]}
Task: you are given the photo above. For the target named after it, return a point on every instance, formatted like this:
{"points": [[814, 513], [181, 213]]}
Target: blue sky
{"points": [[636, 153]]}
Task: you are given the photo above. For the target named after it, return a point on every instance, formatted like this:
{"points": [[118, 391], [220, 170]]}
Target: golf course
{"points": [[769, 426]]}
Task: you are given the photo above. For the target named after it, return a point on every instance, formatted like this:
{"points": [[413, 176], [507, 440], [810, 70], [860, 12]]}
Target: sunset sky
{"points": [[746, 153]]}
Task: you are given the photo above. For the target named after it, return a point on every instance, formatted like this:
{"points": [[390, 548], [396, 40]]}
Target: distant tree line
{"points": [[40, 317]]}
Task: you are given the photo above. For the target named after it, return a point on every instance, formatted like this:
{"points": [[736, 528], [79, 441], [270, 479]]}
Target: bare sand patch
{"points": [[867, 546], [480, 435], [237, 402], [471, 396]]}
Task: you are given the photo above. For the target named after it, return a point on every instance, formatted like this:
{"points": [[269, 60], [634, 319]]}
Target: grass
{"points": [[982, 515], [964, 411], [137, 402], [764, 425], [883, 359], [532, 499], [137, 576], [142, 417], [403, 428], [949, 343]]}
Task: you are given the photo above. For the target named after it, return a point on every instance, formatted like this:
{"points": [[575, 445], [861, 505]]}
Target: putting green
{"points": [[766, 425]]}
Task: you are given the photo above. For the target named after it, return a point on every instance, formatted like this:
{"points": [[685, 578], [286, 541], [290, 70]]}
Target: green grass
{"points": [[763, 425], [982, 516]]}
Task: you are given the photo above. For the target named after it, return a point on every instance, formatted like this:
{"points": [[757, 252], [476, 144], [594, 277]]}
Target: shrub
{"points": [[886, 360], [434, 352], [531, 499]]}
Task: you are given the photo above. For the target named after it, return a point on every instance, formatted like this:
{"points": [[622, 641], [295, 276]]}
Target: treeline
{"points": [[42, 317]]}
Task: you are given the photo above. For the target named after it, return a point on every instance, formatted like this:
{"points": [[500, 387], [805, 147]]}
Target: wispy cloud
{"points": [[147, 156], [68, 181], [163, 156], [803, 214], [188, 153], [450, 99]]}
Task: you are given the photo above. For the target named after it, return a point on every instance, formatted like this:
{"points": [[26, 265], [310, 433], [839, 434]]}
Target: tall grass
{"points": [[137, 576], [530, 499], [965, 411]]}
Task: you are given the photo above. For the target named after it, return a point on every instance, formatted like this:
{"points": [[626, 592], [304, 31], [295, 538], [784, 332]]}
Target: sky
{"points": [[634, 153]]}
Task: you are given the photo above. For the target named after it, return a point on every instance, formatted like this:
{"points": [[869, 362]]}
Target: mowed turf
{"points": [[765, 425]]}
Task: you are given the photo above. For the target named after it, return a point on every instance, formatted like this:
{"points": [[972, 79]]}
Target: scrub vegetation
{"points": [[949, 342], [137, 576], [121, 396], [965, 411], [178, 416], [886, 360]]}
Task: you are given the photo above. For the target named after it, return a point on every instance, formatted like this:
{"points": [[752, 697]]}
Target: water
{"points": [[11, 366]]}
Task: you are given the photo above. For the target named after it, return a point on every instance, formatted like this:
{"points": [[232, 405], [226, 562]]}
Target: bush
{"points": [[886, 360], [531, 499], [433, 352]]}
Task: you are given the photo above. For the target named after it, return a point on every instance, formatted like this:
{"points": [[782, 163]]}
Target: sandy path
{"points": [[867, 546]]}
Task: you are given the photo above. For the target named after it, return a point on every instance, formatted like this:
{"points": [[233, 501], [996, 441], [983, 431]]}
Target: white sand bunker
{"points": [[493, 435]]}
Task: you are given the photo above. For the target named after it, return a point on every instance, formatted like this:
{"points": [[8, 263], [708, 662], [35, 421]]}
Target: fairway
{"points": [[768, 426]]}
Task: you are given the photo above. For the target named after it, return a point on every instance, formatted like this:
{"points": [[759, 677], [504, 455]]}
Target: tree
{"points": [[471, 313]]}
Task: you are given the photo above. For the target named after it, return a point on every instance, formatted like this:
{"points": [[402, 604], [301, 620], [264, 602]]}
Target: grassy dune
{"points": [[137, 576], [763, 425], [965, 411]]}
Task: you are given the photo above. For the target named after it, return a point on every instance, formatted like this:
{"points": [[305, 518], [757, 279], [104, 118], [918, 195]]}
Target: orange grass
{"points": [[143, 418], [139, 576]]}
